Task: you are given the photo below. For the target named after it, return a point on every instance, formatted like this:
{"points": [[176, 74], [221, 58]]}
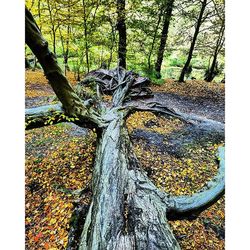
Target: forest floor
{"points": [[179, 160]]}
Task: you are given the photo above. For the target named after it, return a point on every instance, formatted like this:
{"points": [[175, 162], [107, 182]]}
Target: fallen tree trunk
{"points": [[127, 210], [123, 214]]}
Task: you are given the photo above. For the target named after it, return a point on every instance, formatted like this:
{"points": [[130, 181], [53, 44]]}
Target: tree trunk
{"points": [[27, 63], [85, 34], [154, 38], [112, 43], [211, 71], [53, 72], [65, 50], [53, 29], [66, 56], [121, 27], [127, 210], [54, 41], [123, 213], [35, 63], [164, 34], [190, 54]]}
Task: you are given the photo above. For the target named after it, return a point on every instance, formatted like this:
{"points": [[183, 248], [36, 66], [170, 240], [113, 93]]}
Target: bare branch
{"points": [[53, 114], [44, 115]]}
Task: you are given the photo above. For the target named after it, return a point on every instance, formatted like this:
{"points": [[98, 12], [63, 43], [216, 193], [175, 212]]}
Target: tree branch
{"points": [[208, 194], [155, 107], [52, 114], [43, 115], [159, 108], [72, 104]]}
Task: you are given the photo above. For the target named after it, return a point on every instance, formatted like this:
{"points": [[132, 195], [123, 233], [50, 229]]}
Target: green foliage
{"points": [[66, 19], [151, 74], [176, 62]]}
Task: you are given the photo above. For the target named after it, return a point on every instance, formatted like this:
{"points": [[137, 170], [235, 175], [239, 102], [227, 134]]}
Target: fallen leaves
{"points": [[36, 84], [50, 154], [193, 88], [60, 158], [205, 232], [150, 122]]}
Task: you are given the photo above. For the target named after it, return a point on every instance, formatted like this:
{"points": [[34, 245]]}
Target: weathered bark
{"points": [[123, 213], [110, 81], [128, 211], [122, 31], [38, 116], [164, 34], [190, 53]]}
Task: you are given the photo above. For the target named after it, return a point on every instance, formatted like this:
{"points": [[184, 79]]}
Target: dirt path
{"points": [[200, 106]]}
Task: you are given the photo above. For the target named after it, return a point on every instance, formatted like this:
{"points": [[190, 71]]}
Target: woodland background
{"points": [[84, 35]]}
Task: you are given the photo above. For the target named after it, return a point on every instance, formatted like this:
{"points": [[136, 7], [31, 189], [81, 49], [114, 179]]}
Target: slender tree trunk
{"points": [[154, 38], [66, 55], [54, 41], [85, 34], [53, 29], [39, 14], [27, 63], [35, 63], [190, 54], [211, 71], [112, 44], [164, 34], [121, 27], [65, 49]]}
